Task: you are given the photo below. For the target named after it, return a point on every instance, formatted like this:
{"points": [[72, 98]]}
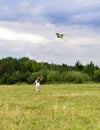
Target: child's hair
{"points": [[38, 79]]}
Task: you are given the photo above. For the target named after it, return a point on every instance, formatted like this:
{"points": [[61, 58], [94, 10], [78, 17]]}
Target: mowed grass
{"points": [[56, 107]]}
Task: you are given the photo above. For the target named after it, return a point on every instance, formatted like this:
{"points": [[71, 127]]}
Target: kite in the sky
{"points": [[61, 35]]}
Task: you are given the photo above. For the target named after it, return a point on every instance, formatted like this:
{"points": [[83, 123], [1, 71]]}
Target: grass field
{"points": [[56, 107]]}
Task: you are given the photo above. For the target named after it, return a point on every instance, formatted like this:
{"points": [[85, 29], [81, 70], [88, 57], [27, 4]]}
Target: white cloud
{"points": [[17, 49], [7, 34]]}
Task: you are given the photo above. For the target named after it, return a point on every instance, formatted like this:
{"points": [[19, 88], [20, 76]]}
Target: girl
{"points": [[37, 83]]}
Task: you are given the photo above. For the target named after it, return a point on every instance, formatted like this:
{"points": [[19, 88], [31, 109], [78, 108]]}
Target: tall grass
{"points": [[56, 107]]}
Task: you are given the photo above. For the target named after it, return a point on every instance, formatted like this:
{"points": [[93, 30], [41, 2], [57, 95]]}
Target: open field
{"points": [[56, 107]]}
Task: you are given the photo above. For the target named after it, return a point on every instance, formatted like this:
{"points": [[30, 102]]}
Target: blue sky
{"points": [[27, 28]]}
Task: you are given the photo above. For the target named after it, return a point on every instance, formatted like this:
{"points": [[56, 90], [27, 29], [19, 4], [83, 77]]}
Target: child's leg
{"points": [[37, 88]]}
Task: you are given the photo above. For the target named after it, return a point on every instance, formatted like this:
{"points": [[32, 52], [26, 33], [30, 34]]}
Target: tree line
{"points": [[13, 70]]}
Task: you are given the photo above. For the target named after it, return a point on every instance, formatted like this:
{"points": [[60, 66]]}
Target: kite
{"points": [[61, 35]]}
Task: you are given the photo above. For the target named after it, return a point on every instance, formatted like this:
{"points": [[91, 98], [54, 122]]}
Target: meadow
{"points": [[56, 107]]}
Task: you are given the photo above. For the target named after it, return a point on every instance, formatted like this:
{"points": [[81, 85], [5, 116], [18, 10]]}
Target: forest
{"points": [[25, 70]]}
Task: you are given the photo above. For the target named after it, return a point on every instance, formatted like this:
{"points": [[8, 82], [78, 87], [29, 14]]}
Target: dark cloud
{"points": [[65, 12]]}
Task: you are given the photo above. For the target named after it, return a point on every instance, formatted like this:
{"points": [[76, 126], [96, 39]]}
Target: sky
{"points": [[28, 27]]}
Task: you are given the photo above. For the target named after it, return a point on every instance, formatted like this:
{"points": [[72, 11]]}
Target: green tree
{"points": [[78, 66], [8, 65], [97, 75], [89, 69], [53, 76]]}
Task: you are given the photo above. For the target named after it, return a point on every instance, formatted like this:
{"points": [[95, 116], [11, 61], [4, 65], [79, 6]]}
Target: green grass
{"points": [[56, 107]]}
